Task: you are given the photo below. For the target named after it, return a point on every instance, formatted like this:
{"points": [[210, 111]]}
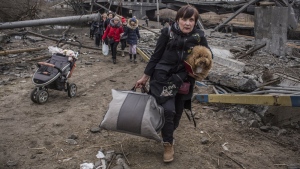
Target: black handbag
{"points": [[110, 40]]}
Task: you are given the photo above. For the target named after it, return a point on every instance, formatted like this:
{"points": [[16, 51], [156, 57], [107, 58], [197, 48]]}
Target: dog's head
{"points": [[202, 57]]}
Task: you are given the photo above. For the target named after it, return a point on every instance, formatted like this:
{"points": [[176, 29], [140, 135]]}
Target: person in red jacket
{"points": [[112, 33]]}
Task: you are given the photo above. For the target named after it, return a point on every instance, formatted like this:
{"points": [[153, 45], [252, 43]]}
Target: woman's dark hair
{"points": [[187, 11]]}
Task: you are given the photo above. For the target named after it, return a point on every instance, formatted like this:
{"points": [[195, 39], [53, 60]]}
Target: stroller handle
{"points": [[50, 65]]}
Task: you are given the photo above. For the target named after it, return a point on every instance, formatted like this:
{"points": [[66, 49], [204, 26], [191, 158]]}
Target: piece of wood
{"points": [[252, 51], [6, 52], [53, 39], [273, 100], [33, 59]]}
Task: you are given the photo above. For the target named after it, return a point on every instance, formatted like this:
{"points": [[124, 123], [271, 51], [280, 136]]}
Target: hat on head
{"points": [[116, 18], [133, 20], [123, 20]]}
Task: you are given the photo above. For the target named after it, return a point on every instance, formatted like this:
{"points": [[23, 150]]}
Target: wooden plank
{"points": [[274, 100], [144, 56]]}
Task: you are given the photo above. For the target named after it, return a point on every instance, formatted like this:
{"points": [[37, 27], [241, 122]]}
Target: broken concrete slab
{"points": [[229, 78], [224, 57]]}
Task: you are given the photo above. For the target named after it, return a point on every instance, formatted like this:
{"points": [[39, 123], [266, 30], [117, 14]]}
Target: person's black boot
{"points": [[130, 57], [114, 61], [134, 58]]}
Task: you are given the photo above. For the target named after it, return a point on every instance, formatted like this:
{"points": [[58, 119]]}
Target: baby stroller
{"points": [[54, 74]]}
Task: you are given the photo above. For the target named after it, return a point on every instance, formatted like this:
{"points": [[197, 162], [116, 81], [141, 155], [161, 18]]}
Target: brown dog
{"points": [[200, 61]]}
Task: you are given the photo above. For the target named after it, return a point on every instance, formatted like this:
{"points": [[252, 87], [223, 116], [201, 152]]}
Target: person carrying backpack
{"points": [[133, 35]]}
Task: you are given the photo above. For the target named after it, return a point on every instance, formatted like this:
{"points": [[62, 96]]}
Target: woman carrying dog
{"points": [[133, 35], [167, 72], [113, 32]]}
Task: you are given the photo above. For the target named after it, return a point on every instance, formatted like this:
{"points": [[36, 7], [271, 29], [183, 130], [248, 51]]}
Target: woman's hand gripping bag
{"points": [[134, 113]]}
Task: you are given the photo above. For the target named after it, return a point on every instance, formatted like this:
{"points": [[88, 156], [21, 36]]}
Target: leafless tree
{"points": [[77, 6], [16, 10]]}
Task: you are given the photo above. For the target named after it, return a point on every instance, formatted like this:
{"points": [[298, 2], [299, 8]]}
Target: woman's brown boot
{"points": [[168, 152]]}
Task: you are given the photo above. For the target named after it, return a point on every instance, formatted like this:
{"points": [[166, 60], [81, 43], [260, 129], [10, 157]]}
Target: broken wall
{"points": [[271, 24]]}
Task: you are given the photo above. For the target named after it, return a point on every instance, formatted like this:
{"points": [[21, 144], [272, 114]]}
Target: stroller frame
{"points": [[54, 74]]}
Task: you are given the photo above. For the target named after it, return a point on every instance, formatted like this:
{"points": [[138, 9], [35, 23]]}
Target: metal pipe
{"points": [[282, 88], [221, 89], [50, 21], [272, 91], [157, 14]]}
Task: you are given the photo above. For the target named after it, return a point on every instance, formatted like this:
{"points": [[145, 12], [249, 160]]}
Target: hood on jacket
{"points": [[133, 26], [112, 24]]}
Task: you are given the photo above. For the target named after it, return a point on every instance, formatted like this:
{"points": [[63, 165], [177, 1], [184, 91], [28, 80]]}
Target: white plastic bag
{"points": [[105, 49], [54, 49]]}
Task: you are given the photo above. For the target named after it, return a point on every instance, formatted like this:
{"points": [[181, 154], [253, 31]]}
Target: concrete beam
{"points": [[271, 24], [223, 57]]}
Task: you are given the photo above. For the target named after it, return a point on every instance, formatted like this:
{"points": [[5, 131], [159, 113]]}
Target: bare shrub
{"points": [[16, 10], [77, 6]]}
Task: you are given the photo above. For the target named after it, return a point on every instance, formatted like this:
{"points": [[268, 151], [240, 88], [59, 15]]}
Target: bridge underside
{"points": [[139, 11], [217, 7], [148, 9]]}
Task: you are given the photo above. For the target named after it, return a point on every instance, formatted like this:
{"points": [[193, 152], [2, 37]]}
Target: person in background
{"points": [[163, 23], [92, 29], [133, 35], [112, 34], [99, 30], [146, 21], [167, 72], [123, 38], [107, 21]]}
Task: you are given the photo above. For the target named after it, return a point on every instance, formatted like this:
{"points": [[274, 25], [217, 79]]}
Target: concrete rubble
{"points": [[228, 75]]}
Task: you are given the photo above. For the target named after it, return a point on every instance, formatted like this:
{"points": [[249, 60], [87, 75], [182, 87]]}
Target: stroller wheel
{"points": [[72, 89], [33, 95], [42, 96]]}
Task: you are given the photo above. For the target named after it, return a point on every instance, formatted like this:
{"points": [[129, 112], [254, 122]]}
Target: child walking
{"points": [[123, 38], [133, 35]]}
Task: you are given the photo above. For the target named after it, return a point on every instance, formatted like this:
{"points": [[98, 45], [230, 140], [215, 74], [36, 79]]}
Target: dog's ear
{"points": [[208, 63]]}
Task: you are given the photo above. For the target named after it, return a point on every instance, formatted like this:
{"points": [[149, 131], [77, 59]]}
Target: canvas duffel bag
{"points": [[134, 113]]}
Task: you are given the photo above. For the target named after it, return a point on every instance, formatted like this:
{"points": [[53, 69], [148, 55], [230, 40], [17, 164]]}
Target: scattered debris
{"points": [[86, 166]]}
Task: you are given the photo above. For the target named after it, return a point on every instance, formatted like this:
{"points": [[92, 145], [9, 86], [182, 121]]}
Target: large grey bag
{"points": [[134, 113]]}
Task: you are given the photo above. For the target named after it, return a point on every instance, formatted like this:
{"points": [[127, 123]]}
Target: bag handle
{"points": [[143, 89]]}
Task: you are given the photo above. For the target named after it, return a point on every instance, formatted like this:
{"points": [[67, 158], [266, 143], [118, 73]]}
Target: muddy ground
{"points": [[34, 136]]}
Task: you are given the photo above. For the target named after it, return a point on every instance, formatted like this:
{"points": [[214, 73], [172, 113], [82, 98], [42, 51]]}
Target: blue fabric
{"points": [[132, 36], [133, 20]]}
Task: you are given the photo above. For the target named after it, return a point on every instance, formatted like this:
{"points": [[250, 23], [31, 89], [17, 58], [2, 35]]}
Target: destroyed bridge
{"points": [[141, 8]]}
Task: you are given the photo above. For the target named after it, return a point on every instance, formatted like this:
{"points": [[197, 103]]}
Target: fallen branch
{"points": [[124, 154], [241, 165], [114, 156], [280, 143]]}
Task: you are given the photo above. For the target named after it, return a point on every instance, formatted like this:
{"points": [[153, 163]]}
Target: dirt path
{"points": [[33, 136]]}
